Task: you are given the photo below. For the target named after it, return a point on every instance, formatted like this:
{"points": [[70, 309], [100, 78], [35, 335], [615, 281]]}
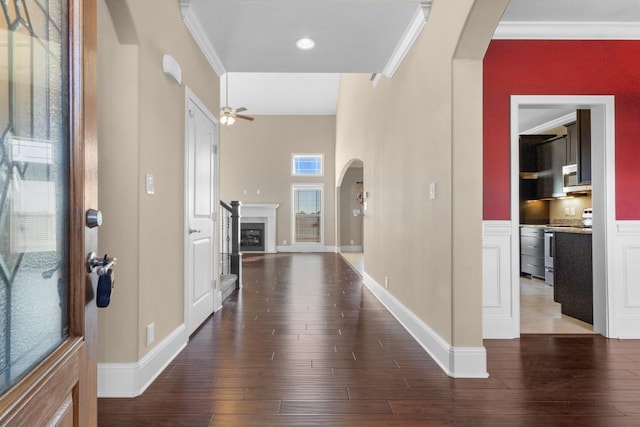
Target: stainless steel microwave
{"points": [[570, 178]]}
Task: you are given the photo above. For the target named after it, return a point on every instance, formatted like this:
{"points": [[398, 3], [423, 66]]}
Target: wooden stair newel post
{"points": [[236, 255]]}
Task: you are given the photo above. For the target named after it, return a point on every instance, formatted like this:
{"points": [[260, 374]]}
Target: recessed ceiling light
{"points": [[305, 43]]}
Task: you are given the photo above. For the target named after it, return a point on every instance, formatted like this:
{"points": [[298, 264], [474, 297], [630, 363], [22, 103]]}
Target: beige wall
{"points": [[423, 126], [350, 225], [257, 156], [141, 130]]}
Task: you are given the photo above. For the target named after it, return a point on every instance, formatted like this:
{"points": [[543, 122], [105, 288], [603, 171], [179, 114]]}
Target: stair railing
{"points": [[230, 256]]}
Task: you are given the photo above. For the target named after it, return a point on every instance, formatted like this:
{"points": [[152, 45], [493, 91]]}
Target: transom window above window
{"points": [[307, 164]]}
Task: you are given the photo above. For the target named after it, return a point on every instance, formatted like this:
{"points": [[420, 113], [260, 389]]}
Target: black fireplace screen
{"points": [[251, 237]]}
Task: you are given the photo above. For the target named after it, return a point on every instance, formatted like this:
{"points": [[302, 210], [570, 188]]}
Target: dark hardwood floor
{"points": [[304, 343]]}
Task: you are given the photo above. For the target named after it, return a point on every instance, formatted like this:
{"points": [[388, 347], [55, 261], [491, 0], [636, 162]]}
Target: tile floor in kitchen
{"points": [[539, 314]]}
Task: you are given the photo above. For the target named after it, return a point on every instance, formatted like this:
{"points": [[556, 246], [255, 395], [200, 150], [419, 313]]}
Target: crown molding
{"points": [[526, 30], [195, 28], [409, 37], [551, 124]]}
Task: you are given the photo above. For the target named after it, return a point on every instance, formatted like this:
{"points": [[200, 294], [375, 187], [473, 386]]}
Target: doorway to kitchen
{"points": [[527, 292]]}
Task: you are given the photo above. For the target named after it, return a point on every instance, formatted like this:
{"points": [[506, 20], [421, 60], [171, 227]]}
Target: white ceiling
{"points": [[573, 10], [259, 36], [254, 40]]}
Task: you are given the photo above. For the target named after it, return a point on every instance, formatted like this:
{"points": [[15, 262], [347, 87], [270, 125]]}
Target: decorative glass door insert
{"points": [[34, 182]]}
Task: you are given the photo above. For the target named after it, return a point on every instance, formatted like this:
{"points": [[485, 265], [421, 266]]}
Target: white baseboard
{"points": [[132, 379], [352, 248], [457, 362], [307, 248]]}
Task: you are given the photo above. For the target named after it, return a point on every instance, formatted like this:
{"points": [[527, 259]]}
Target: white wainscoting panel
{"points": [[457, 362], [499, 304], [626, 284]]}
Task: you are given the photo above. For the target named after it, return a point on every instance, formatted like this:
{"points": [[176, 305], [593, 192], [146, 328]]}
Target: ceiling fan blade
{"points": [[239, 110], [240, 116]]}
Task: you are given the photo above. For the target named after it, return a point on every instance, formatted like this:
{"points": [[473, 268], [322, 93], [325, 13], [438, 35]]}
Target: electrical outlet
{"points": [[258, 191], [351, 242], [284, 243], [566, 211], [150, 333], [573, 211], [386, 282], [432, 191]]}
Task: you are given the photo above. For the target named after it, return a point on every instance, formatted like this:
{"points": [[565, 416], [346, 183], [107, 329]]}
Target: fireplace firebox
{"points": [[252, 237]]}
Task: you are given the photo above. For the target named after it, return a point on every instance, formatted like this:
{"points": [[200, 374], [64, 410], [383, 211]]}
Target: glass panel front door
{"points": [[34, 182], [307, 212]]}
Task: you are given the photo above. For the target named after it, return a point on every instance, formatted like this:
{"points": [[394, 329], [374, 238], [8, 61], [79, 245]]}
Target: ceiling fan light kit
{"points": [[229, 115]]}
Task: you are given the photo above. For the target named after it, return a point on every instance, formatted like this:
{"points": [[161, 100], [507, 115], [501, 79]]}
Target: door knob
{"points": [[103, 265], [193, 230]]}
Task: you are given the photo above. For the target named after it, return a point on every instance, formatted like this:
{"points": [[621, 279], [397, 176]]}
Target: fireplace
{"points": [[252, 237], [261, 214]]}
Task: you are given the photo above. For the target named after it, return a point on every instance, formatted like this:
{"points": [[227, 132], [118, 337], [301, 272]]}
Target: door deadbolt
{"points": [[93, 218]]}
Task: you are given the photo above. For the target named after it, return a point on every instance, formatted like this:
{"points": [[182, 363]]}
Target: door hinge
{"points": [[215, 149]]}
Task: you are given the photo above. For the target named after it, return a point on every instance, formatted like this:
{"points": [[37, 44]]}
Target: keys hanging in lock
{"points": [[106, 278], [106, 283]]}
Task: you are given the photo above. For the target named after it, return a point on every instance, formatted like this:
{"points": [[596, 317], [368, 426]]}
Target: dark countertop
{"points": [[576, 230], [560, 228]]}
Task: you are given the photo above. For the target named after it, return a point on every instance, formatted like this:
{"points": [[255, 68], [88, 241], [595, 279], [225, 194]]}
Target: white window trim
{"points": [[309, 155], [293, 214]]}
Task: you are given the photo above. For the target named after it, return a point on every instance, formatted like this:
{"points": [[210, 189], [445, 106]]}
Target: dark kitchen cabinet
{"points": [[579, 145], [573, 274], [530, 165], [552, 156], [584, 146], [572, 143], [558, 160], [529, 151]]}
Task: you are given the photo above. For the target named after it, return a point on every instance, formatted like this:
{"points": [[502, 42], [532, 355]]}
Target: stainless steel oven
{"points": [[548, 257]]}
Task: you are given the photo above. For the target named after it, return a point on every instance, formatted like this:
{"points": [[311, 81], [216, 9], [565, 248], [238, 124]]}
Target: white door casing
{"points": [[201, 135]]}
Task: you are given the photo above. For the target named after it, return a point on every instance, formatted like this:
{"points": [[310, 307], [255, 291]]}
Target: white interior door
{"points": [[200, 230]]}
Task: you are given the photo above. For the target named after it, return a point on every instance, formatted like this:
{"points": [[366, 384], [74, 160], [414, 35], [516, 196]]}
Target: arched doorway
{"points": [[350, 203]]}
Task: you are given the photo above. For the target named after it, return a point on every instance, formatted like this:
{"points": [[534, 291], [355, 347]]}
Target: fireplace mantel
{"points": [[262, 213]]}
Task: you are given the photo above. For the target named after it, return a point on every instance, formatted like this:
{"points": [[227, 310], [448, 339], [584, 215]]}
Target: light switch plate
{"points": [[432, 191]]}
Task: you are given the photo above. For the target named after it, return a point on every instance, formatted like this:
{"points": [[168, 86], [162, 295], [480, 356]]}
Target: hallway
{"points": [[305, 343]]}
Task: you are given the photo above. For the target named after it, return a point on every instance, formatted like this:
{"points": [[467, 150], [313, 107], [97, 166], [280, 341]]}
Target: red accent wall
{"points": [[555, 67]]}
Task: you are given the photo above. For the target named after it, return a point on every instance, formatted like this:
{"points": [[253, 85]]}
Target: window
{"points": [[307, 164], [307, 213]]}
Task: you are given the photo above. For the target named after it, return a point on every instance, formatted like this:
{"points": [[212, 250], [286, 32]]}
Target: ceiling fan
{"points": [[229, 115]]}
